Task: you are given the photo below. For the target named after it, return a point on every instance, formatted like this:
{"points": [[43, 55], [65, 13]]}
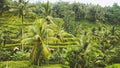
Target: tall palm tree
{"points": [[46, 9], [20, 8]]}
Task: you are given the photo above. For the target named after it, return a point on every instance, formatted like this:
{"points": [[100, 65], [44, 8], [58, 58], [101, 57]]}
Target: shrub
{"points": [[20, 55], [4, 54], [57, 57], [75, 59]]}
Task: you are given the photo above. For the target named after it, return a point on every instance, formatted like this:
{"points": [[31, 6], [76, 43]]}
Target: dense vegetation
{"points": [[61, 35]]}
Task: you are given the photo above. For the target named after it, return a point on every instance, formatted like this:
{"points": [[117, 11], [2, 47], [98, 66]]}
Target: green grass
{"points": [[114, 66], [25, 64]]}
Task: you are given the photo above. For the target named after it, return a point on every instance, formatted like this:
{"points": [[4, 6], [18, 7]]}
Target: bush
{"points": [[115, 59], [57, 58], [4, 54], [20, 55], [75, 59]]}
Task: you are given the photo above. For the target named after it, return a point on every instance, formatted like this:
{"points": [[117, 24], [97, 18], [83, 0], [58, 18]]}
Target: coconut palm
{"points": [[37, 34], [46, 32], [20, 8]]}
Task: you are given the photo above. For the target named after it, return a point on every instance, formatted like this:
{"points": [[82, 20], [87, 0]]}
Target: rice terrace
{"points": [[59, 34]]}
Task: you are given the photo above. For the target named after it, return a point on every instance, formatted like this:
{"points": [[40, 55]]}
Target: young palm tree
{"points": [[38, 34], [44, 32]]}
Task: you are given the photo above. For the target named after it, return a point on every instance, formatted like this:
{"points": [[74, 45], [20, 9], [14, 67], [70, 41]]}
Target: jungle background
{"points": [[59, 35]]}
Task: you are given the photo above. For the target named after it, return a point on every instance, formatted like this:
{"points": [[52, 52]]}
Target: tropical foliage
{"points": [[70, 35]]}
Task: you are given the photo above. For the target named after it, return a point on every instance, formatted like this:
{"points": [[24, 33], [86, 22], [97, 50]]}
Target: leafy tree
{"points": [[3, 6]]}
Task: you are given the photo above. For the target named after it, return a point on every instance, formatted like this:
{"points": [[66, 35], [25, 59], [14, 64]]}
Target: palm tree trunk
{"points": [[22, 28]]}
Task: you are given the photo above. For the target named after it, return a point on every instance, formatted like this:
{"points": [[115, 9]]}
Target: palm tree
{"points": [[20, 8], [46, 9], [46, 32], [38, 34]]}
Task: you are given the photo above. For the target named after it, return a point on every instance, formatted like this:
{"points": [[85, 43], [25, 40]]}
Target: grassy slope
{"points": [[25, 64], [114, 66]]}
